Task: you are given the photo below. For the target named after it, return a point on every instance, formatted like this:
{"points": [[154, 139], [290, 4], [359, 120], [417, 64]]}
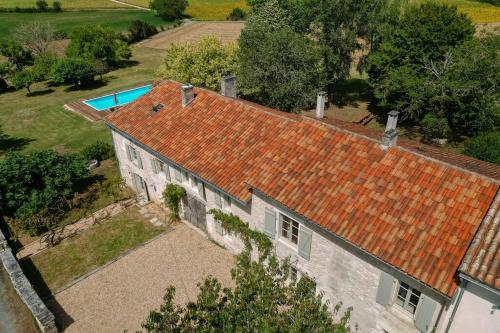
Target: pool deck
{"points": [[86, 111]]}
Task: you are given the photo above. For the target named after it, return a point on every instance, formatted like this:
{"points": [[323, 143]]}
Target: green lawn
{"points": [[41, 122], [72, 258], [117, 20], [66, 4]]}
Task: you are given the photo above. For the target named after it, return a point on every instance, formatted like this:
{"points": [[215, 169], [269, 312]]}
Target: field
{"points": [[66, 4], [117, 20], [479, 12]]}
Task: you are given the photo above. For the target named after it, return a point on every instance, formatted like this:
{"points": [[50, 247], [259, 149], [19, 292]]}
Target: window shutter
{"points": [[218, 199], [385, 289], [129, 154], [154, 165], [270, 223], [166, 171], [177, 175], [218, 227], [139, 160], [425, 313], [305, 241], [201, 188]]}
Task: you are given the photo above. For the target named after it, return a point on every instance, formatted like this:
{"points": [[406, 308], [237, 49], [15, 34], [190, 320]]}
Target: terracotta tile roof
{"points": [[413, 212], [482, 261]]}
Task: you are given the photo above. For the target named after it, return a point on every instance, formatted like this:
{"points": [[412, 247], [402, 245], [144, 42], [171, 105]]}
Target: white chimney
{"points": [[320, 105], [187, 94], [390, 136], [228, 86]]}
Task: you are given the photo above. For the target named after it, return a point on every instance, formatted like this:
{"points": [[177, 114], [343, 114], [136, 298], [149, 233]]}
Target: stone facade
{"points": [[343, 272]]}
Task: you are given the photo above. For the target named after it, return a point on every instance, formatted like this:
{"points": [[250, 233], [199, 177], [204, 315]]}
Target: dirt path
{"points": [[120, 295], [192, 31], [130, 5]]}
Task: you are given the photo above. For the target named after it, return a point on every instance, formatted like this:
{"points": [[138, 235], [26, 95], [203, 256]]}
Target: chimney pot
{"points": [[228, 86], [320, 105], [187, 94], [390, 136]]}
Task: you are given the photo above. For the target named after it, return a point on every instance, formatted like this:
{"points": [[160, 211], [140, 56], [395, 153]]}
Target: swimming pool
{"points": [[118, 99]]}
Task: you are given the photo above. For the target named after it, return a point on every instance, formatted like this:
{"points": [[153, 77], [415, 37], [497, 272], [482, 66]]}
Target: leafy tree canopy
{"points": [[201, 63], [23, 78], [77, 71], [266, 298], [32, 182], [15, 53], [169, 9], [485, 147]]}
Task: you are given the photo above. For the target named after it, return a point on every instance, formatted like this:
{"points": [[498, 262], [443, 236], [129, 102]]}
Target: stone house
{"points": [[380, 223]]}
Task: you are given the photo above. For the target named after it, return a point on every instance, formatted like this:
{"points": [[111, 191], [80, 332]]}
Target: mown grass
{"points": [[204, 10], [118, 20], [92, 248], [66, 4], [40, 121], [479, 12]]}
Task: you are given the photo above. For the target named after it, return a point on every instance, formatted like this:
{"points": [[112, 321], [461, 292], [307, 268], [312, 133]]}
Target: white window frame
{"points": [[405, 303], [134, 154], [288, 240]]}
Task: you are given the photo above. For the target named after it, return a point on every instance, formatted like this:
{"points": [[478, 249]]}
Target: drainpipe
{"points": [[459, 298]]}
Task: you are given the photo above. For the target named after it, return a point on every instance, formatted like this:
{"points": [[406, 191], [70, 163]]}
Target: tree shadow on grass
{"points": [[89, 86], [40, 92], [10, 144], [352, 92]]}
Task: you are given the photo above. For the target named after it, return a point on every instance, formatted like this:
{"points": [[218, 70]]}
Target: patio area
{"points": [[120, 295]]}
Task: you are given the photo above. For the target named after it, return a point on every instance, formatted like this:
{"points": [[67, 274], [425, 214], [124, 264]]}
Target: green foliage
{"points": [[23, 78], [34, 183], [264, 299], [77, 71], [15, 54], [278, 67], [434, 127], [485, 146], [201, 63], [42, 5], [57, 7], [169, 9], [5, 68], [139, 30], [97, 43], [43, 65], [173, 195], [237, 14], [98, 150]]}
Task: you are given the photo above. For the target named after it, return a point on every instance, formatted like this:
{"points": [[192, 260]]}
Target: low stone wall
{"points": [[44, 318]]}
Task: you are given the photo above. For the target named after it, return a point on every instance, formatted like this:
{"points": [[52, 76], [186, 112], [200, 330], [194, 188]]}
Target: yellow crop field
{"points": [[479, 12]]}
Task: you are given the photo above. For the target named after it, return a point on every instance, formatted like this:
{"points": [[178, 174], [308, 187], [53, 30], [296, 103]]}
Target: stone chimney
{"points": [[320, 105], [390, 136], [228, 86], [187, 94]]}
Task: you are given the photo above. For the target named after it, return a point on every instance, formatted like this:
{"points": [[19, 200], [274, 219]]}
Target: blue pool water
{"points": [[118, 99]]}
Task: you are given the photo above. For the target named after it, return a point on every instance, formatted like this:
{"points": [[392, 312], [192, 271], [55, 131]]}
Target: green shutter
{"points": [[425, 313], [139, 160], [218, 199], [154, 165], [166, 171], [270, 223], [129, 154], [218, 227], [385, 289], [305, 241], [201, 188]]}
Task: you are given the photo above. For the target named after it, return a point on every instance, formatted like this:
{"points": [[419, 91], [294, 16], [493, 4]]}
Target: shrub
{"points": [[23, 78], [237, 14], [434, 127], [42, 5], [173, 195], [42, 66], [122, 51], [77, 71], [139, 30], [97, 151], [56, 6], [169, 9], [485, 147]]}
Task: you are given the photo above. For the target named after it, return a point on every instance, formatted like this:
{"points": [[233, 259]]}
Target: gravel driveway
{"points": [[120, 295]]}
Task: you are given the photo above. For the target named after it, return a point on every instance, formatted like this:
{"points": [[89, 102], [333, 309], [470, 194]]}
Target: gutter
{"points": [[455, 308], [165, 159]]}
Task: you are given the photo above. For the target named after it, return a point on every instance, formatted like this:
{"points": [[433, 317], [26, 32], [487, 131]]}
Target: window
{"points": [[226, 202], [201, 188], [222, 201], [185, 177], [407, 297], [160, 168], [177, 175], [289, 229], [133, 155]]}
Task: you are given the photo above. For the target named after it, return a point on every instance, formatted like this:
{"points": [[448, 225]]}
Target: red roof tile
{"points": [[409, 205]]}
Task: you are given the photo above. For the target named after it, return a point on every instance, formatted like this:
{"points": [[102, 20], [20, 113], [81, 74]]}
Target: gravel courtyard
{"points": [[120, 295]]}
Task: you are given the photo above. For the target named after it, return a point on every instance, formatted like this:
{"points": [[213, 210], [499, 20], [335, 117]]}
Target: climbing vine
{"points": [[173, 195], [233, 224]]}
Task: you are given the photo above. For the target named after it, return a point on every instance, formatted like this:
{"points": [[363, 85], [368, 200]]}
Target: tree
{"points": [[97, 151], [237, 14], [35, 36], [201, 63], [15, 54], [34, 182], [122, 51], [139, 30], [5, 69], [485, 146], [77, 71], [43, 65], [42, 5], [169, 9], [56, 6], [95, 42], [398, 65], [266, 298], [23, 78], [278, 67]]}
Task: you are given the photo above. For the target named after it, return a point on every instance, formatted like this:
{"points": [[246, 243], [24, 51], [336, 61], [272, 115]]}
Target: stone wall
{"points": [[44, 318]]}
